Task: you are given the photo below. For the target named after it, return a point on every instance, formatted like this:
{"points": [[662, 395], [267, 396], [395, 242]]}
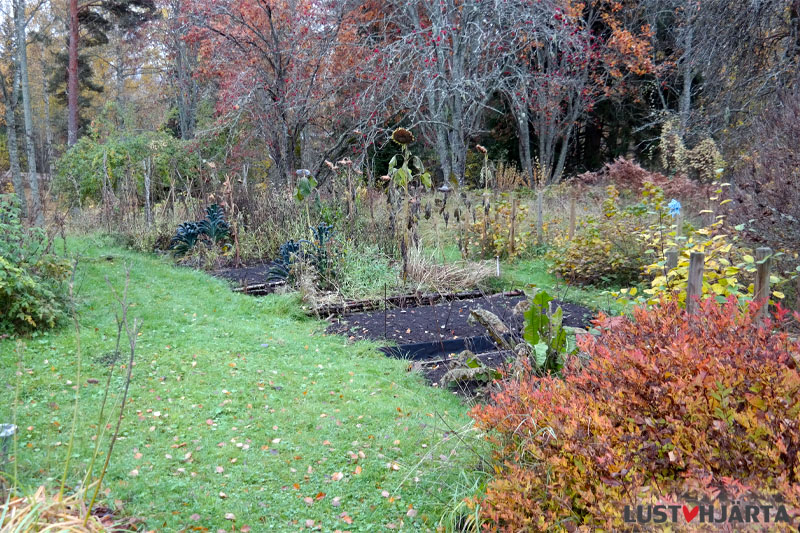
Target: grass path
{"points": [[238, 405]]}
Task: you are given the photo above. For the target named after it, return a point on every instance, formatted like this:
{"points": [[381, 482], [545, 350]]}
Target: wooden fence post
{"points": [[694, 286], [571, 217], [761, 286], [671, 257]]}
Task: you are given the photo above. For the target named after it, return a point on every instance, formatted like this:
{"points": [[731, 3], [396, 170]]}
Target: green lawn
{"points": [[237, 405], [525, 272]]}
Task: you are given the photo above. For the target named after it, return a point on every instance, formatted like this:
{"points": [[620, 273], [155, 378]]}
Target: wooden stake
{"points": [[694, 286], [761, 290], [671, 257], [539, 219], [571, 217], [512, 231]]}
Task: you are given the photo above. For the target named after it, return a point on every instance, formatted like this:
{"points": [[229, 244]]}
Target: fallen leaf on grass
{"points": [[337, 476]]}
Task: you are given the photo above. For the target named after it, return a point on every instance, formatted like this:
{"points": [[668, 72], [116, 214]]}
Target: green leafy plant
{"points": [[281, 270], [214, 226], [321, 253], [213, 229], [546, 335]]}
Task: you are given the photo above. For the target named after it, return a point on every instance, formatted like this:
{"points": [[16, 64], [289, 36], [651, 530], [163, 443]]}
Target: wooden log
{"points": [[694, 286], [498, 331], [761, 290], [259, 288]]}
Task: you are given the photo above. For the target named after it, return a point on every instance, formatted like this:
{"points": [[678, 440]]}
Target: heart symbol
{"points": [[689, 515]]}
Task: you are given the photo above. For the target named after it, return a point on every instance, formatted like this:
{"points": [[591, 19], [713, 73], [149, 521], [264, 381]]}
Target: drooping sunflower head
{"points": [[402, 136]]}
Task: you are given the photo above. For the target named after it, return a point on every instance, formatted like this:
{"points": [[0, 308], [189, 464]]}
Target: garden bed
{"points": [[251, 279], [430, 334], [443, 321]]}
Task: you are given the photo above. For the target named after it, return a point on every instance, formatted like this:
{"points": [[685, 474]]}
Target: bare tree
{"points": [[551, 82], [445, 59]]}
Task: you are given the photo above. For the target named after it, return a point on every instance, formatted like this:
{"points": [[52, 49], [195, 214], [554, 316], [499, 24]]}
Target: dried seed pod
{"points": [[446, 218], [427, 210], [457, 214]]}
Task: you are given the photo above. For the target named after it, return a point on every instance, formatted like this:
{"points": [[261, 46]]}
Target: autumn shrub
{"points": [[729, 265], [665, 407], [629, 177], [605, 249], [32, 291], [494, 225]]}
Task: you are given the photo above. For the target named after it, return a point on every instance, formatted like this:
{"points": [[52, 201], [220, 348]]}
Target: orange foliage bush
{"points": [[666, 408]]}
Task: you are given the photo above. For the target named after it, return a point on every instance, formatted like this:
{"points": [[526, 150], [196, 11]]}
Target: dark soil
{"points": [[446, 321], [245, 275], [443, 321]]}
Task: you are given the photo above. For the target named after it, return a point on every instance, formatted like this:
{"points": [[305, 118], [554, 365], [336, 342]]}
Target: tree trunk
{"points": [[72, 75], [22, 59], [9, 99], [524, 135], [48, 130], [687, 72]]}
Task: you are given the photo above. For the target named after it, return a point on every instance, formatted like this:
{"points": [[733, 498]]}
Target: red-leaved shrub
{"points": [[668, 407], [627, 175]]}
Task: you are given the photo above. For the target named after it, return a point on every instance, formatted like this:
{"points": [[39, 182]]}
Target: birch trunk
{"points": [[20, 22]]}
